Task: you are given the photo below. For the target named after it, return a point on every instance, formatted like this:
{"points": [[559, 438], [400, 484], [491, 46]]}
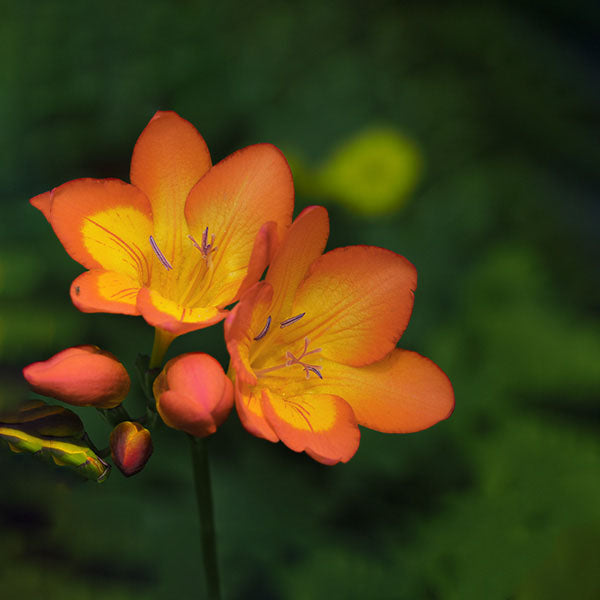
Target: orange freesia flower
{"points": [[313, 347], [184, 239]]}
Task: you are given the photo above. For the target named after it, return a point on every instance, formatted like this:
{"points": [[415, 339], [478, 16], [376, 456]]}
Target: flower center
{"points": [[290, 359], [189, 281]]}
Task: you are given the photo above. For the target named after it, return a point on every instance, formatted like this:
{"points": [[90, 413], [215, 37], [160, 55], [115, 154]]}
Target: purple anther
{"points": [[160, 255], [291, 320], [264, 331], [313, 369]]}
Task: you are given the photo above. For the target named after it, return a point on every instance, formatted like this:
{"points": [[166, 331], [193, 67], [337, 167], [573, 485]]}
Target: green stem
{"points": [[199, 449], [115, 415], [162, 341]]}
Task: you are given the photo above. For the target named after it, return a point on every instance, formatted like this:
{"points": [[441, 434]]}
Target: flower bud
{"points": [[193, 394], [130, 447], [81, 376]]}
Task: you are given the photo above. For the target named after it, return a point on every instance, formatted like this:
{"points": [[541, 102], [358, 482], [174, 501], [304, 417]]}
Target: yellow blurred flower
{"points": [[373, 172]]}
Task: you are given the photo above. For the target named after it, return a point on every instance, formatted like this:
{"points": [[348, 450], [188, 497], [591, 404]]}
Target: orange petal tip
{"points": [[43, 202]]}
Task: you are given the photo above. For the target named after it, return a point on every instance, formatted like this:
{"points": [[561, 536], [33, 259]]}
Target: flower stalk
{"points": [[162, 341], [199, 449]]}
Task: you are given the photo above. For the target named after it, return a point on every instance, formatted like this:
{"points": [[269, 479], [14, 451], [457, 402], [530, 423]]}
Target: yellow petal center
{"points": [[186, 277]]}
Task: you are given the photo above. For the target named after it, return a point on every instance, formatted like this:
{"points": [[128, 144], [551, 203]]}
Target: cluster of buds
{"points": [[191, 394]]}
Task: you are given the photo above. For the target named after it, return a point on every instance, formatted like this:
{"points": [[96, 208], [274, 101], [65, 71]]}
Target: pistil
{"points": [[198, 282], [292, 360], [206, 249]]}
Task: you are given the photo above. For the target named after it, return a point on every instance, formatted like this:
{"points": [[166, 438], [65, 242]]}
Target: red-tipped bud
{"points": [[193, 394], [130, 447], [81, 376]]}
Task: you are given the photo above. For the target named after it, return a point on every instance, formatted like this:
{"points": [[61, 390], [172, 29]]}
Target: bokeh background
{"points": [[463, 135]]}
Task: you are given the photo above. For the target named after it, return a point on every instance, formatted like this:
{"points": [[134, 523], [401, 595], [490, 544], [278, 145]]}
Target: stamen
{"points": [[264, 331], [291, 320], [160, 255]]}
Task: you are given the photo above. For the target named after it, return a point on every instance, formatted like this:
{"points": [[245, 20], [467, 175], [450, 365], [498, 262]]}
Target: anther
{"points": [[291, 320], [160, 255], [313, 369], [264, 331]]}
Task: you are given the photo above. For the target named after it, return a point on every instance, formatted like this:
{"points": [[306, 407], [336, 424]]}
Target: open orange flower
{"points": [[184, 239], [313, 347]]}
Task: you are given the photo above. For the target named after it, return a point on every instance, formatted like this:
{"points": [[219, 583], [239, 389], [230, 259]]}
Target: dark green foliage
{"points": [[501, 501]]}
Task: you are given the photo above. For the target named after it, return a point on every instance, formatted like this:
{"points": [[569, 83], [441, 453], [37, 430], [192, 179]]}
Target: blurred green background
{"points": [[462, 135]]}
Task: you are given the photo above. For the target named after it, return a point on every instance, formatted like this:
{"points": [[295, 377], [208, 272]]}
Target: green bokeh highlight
{"points": [[372, 173]]}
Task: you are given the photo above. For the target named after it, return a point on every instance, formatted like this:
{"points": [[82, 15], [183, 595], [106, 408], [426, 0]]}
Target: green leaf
{"points": [[54, 434]]}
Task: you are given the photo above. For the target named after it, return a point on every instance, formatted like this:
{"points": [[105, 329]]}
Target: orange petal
{"points": [[43, 202], [233, 200], [166, 314], [304, 243], [169, 157], [243, 324], [104, 224], [250, 412], [265, 244], [357, 301], [105, 291], [322, 425], [403, 393]]}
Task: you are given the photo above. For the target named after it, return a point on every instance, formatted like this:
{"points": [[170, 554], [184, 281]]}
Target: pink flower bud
{"points": [[193, 394], [130, 447], [81, 376]]}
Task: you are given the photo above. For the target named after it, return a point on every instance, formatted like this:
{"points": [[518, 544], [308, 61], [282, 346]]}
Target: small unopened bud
{"points": [[81, 376], [193, 394], [130, 447]]}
